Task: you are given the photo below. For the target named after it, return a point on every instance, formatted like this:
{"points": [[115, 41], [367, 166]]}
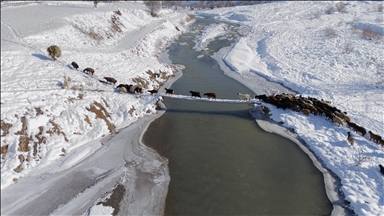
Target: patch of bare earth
{"points": [[64, 152], [101, 113], [56, 130], [86, 119], [141, 82], [23, 139], [105, 102], [5, 128], [38, 111], [4, 150], [40, 139], [132, 110], [20, 167]]}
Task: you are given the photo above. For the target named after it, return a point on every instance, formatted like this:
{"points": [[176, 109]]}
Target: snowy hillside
{"points": [[41, 120]]}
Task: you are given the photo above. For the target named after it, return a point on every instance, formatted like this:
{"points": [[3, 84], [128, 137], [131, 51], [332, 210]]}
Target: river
{"points": [[220, 161]]}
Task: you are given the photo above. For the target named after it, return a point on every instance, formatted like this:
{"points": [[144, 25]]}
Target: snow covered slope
{"points": [[42, 120]]}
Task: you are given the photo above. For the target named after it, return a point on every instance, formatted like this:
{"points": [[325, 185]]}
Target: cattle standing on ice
{"points": [[210, 95], [75, 65], [244, 96], [89, 71], [169, 91], [195, 94], [154, 91]]}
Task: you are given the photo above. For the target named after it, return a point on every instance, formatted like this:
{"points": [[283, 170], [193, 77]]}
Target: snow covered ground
{"points": [[57, 133], [293, 43], [51, 134]]}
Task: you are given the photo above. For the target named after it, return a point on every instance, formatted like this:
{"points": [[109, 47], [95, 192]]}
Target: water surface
{"points": [[220, 161]]}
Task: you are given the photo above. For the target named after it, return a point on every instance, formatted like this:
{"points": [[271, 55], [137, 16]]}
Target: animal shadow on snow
{"points": [[60, 84], [70, 67], [105, 82], [42, 57]]}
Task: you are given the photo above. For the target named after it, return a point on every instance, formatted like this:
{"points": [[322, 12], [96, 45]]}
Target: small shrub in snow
{"points": [[356, 19], [117, 12], [66, 83], [190, 17], [159, 44], [115, 24], [330, 10], [379, 19], [276, 9], [380, 7], [355, 29], [330, 32], [91, 33], [368, 33], [361, 157], [229, 4], [211, 5], [219, 5], [348, 48], [153, 6], [193, 6], [340, 7], [54, 51], [372, 59], [316, 15]]}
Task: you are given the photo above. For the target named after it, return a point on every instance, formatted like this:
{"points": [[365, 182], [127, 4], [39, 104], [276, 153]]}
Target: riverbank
{"points": [[147, 192], [260, 85]]}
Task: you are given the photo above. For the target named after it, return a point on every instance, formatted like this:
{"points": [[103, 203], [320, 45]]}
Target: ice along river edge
{"points": [[332, 182]]}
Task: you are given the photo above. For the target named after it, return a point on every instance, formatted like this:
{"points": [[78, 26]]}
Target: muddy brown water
{"points": [[220, 161]]}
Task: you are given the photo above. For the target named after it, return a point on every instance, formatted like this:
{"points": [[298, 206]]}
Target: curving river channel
{"points": [[220, 161]]}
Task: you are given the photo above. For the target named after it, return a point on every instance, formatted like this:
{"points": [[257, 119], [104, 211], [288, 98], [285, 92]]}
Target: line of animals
{"points": [[284, 101], [318, 107], [210, 95], [123, 87]]}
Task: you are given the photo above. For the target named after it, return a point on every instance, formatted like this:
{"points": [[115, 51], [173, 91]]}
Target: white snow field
{"points": [[57, 152], [64, 150]]}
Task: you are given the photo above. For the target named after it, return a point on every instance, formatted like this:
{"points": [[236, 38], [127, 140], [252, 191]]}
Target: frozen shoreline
{"points": [[332, 185]]}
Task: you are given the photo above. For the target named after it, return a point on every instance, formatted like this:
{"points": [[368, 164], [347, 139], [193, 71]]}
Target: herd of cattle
{"points": [[317, 107], [281, 101], [122, 87]]}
